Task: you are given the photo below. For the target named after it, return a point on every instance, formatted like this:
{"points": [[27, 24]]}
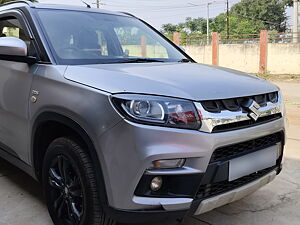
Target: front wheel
{"points": [[70, 186]]}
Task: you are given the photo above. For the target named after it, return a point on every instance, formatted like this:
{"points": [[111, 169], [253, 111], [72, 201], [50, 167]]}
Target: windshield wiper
{"points": [[185, 60], [139, 60]]}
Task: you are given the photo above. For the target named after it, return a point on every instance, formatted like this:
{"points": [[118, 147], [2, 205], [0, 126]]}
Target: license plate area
{"points": [[253, 162]]}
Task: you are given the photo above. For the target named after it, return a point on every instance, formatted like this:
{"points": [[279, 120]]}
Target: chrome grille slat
{"points": [[233, 111], [235, 104]]}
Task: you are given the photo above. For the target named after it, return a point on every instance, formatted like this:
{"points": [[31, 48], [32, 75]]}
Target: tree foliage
{"points": [[169, 28], [270, 12], [246, 17], [237, 25], [197, 25], [288, 2]]}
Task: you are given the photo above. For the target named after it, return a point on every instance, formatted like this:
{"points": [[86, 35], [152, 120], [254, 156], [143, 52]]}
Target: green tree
{"points": [[197, 25], [243, 26], [246, 17], [288, 2], [270, 12], [219, 23], [190, 26], [237, 25], [5, 1], [169, 28]]}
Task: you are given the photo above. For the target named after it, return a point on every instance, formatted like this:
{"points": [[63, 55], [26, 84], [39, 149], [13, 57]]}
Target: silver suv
{"points": [[120, 125]]}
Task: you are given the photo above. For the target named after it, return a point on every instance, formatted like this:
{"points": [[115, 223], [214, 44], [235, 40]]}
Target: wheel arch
{"points": [[51, 125]]}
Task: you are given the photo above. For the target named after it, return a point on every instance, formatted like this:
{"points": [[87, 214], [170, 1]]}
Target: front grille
{"points": [[237, 150], [246, 123], [236, 104], [210, 190]]}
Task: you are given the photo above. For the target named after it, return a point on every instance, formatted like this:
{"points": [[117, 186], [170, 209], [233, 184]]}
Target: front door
{"points": [[15, 88]]}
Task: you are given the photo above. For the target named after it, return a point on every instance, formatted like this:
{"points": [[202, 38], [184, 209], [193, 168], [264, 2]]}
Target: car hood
{"points": [[183, 80]]}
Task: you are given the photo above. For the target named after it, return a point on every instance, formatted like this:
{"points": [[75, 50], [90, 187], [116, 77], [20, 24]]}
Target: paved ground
{"points": [[278, 203]]}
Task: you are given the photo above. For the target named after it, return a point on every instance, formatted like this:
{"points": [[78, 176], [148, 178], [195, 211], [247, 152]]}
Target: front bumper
{"points": [[197, 207], [125, 161], [234, 195]]}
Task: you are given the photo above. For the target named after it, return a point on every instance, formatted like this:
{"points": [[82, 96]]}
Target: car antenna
{"points": [[87, 5]]}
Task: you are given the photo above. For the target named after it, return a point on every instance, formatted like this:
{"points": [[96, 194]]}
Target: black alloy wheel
{"points": [[66, 191], [70, 185]]}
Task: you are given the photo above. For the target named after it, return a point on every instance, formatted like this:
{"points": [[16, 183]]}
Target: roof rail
{"points": [[18, 1]]}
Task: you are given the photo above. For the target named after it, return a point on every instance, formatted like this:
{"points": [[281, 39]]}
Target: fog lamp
{"points": [[167, 164], [156, 183]]}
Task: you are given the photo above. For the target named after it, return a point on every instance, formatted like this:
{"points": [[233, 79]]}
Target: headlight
{"points": [[156, 110]]}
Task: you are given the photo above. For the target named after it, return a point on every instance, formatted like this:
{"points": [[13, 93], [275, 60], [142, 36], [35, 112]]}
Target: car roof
{"points": [[83, 8]]}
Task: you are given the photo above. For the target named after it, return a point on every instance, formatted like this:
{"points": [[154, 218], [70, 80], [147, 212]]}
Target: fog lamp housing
{"points": [[167, 164], [156, 184]]}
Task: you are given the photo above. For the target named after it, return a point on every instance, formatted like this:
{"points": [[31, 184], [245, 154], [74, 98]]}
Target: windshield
{"points": [[78, 37]]}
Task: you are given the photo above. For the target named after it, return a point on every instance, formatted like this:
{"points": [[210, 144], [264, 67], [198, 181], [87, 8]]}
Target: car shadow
{"points": [[21, 198], [22, 180]]}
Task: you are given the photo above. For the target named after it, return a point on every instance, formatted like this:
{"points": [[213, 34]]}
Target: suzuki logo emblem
{"points": [[254, 107]]}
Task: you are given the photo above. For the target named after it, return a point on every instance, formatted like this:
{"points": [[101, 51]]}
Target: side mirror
{"points": [[13, 46], [14, 49]]}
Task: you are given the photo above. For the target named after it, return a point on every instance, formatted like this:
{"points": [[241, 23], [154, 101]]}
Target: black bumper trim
{"points": [[142, 216]]}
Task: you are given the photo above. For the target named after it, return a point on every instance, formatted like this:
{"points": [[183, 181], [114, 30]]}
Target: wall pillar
{"points": [[296, 21], [263, 68], [143, 46], [176, 38], [215, 48]]}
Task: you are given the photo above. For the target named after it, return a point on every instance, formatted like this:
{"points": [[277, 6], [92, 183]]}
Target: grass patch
{"points": [[280, 77]]}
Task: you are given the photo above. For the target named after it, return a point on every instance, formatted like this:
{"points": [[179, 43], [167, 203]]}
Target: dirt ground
{"points": [[21, 201], [291, 93]]}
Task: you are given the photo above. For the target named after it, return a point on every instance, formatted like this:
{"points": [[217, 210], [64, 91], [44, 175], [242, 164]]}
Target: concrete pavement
{"points": [[278, 203]]}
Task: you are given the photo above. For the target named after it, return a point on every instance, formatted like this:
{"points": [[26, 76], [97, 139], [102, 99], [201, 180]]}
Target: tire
{"points": [[70, 186]]}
